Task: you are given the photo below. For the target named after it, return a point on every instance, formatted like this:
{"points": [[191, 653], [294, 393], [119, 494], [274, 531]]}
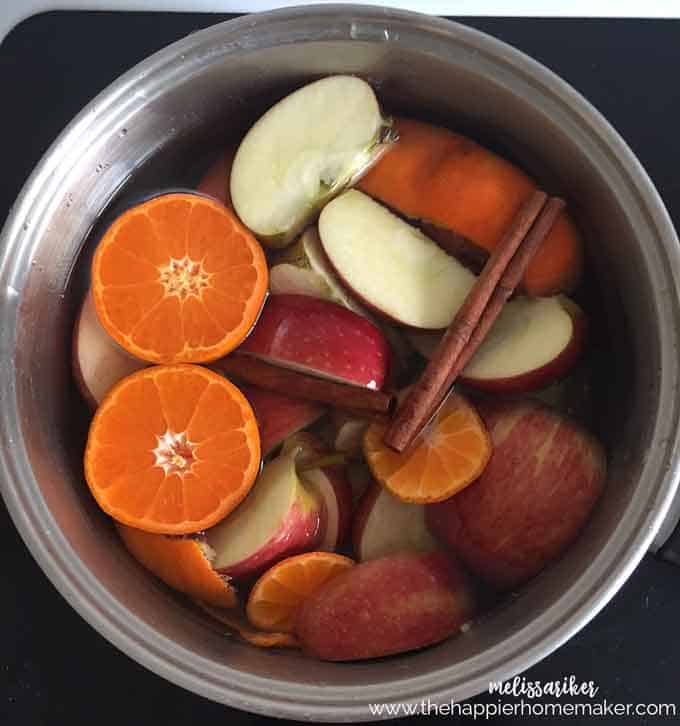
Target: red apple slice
{"points": [[319, 337], [304, 269], [534, 342], [279, 416], [329, 483], [384, 525], [390, 266], [278, 518], [98, 362]]}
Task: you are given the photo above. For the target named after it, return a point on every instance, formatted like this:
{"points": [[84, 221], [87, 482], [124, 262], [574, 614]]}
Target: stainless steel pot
{"points": [[152, 125]]}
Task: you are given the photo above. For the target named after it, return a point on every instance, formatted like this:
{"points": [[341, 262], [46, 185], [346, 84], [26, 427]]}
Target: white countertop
{"points": [[14, 11]]}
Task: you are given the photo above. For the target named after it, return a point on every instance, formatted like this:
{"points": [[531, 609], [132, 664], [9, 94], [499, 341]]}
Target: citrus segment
{"points": [[276, 596], [450, 454], [172, 449], [178, 279], [181, 562]]}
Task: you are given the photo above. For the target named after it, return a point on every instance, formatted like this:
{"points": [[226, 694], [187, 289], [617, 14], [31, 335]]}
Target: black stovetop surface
{"points": [[54, 668]]}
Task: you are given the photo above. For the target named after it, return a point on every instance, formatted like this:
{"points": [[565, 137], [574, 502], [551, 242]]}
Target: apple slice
{"points": [[319, 337], [534, 342], [384, 525], [278, 518], [98, 362], [305, 150], [303, 269], [328, 482], [279, 416], [392, 267], [316, 275]]}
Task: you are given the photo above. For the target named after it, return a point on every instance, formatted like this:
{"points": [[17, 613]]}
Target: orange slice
{"points": [[172, 449], [178, 279], [278, 593], [450, 454], [239, 625], [181, 562]]}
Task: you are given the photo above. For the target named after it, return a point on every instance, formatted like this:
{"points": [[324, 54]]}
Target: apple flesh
{"points": [[98, 362], [386, 606], [319, 337], [328, 483], [534, 496], [384, 525], [303, 269], [348, 433], [279, 416], [278, 518], [533, 343], [390, 266], [304, 151]]}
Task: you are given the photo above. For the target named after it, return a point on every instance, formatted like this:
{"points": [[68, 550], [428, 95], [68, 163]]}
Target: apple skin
{"points": [[215, 181], [98, 363], [279, 416], [386, 606], [310, 334], [383, 525], [277, 519], [329, 484], [543, 479]]}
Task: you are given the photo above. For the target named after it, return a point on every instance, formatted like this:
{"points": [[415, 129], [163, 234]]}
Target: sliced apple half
{"points": [[303, 151], [534, 342], [384, 525], [328, 482], [278, 518], [98, 362], [390, 266], [319, 337]]}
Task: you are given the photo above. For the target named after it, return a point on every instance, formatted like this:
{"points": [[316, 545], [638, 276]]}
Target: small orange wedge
{"points": [[172, 449], [178, 279], [181, 562], [450, 454], [278, 593]]}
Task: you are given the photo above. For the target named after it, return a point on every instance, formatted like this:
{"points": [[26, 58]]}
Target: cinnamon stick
{"points": [[499, 278], [301, 385]]}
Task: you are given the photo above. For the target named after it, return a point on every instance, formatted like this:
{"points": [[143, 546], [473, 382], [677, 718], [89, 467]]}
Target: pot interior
{"points": [[160, 131]]}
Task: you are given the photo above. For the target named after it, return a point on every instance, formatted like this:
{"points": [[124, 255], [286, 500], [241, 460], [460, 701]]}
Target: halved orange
{"points": [[178, 279], [281, 590], [172, 449], [450, 454], [181, 562], [239, 625]]}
